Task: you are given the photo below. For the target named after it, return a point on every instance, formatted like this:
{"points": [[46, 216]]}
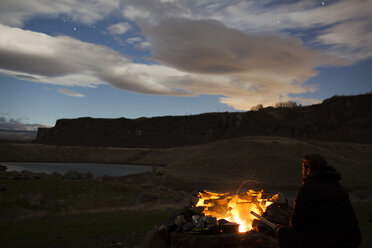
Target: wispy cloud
{"points": [[70, 93], [341, 27], [119, 28], [134, 40], [46, 59], [15, 12], [138, 42]]}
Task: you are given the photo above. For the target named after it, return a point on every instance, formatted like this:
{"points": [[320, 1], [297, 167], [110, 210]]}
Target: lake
{"points": [[96, 169]]}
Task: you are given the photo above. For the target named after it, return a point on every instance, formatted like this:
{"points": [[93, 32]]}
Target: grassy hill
{"points": [[269, 160]]}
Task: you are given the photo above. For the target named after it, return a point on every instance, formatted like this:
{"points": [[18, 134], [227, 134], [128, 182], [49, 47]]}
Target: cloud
{"points": [[252, 68], [204, 57], [15, 12], [40, 54], [119, 28], [343, 27], [70, 93], [12, 124], [66, 61], [205, 47], [138, 42], [134, 40], [208, 46], [347, 21], [155, 10], [345, 39]]}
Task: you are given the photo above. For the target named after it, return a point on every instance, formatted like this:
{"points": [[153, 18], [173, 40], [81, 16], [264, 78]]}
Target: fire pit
{"points": [[235, 208], [222, 220]]}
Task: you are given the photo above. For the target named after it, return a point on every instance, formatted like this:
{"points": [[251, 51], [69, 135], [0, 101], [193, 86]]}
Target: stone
{"points": [[180, 220], [35, 200], [154, 239]]}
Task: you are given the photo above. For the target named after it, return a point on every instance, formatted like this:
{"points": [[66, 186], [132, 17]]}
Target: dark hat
{"points": [[314, 161]]}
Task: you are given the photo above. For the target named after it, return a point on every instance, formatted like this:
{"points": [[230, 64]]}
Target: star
{"points": [[74, 29], [323, 3]]}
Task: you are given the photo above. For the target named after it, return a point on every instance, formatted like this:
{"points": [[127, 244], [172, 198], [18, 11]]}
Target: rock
{"points": [[179, 220], [35, 200], [154, 239]]}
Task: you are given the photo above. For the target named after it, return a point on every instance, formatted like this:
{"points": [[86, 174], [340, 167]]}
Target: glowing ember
{"points": [[234, 208]]}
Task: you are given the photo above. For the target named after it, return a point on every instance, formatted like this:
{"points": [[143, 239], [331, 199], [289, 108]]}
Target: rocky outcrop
{"points": [[340, 118]]}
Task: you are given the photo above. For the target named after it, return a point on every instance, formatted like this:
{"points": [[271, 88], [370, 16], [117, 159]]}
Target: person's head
{"points": [[311, 163]]}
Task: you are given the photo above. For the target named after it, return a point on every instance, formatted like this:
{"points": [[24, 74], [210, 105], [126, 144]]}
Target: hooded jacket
{"points": [[323, 211]]}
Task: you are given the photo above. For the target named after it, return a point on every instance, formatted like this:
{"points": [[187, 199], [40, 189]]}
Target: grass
{"points": [[55, 195], [269, 160], [85, 229], [23, 152], [79, 213]]}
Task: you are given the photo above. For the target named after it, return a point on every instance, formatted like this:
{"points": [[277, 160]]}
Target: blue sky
{"points": [[135, 58]]}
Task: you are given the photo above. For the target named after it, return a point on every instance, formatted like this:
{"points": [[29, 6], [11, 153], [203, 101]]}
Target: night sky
{"points": [[135, 58]]}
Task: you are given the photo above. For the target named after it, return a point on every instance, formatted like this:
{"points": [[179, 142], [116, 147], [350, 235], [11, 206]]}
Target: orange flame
{"points": [[234, 208]]}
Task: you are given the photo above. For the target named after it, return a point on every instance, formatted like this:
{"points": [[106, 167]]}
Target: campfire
{"points": [[223, 220], [235, 208]]}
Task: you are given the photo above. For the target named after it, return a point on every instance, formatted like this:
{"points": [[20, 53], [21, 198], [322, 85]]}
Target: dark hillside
{"points": [[340, 118]]}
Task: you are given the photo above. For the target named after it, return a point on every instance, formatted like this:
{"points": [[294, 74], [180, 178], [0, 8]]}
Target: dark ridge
{"points": [[340, 118]]}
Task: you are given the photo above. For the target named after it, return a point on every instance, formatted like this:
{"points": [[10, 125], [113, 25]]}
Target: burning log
{"points": [[264, 220], [234, 208], [219, 220]]}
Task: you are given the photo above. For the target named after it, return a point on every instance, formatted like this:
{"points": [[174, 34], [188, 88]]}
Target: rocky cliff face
{"points": [[340, 118]]}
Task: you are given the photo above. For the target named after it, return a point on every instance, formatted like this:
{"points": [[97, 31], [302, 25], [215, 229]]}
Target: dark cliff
{"points": [[340, 118]]}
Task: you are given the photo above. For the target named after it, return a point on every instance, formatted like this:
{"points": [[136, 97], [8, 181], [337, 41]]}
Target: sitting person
{"points": [[322, 214]]}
